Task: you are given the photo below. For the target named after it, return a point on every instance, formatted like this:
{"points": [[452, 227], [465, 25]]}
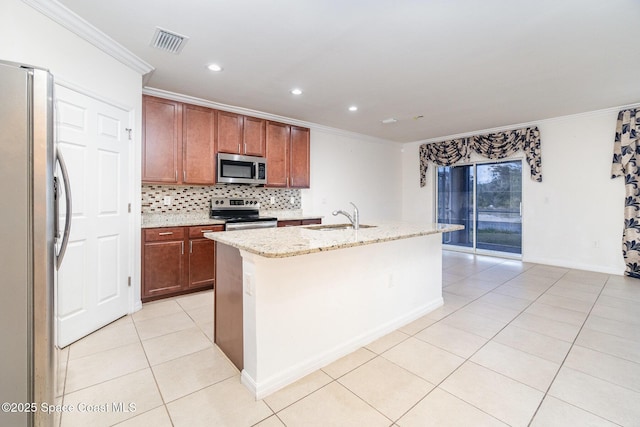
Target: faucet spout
{"points": [[341, 212], [354, 220]]}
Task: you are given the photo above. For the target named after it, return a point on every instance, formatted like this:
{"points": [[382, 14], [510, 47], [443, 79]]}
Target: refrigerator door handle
{"points": [[67, 220]]}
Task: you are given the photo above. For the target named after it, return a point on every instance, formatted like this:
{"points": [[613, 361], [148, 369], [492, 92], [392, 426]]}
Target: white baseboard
{"points": [[575, 265]]}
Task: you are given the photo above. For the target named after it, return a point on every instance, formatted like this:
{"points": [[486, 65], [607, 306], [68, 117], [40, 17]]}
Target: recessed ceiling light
{"points": [[296, 91], [353, 108], [214, 67], [389, 120]]}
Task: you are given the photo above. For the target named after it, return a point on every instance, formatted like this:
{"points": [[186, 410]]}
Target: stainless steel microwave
{"points": [[238, 169]]}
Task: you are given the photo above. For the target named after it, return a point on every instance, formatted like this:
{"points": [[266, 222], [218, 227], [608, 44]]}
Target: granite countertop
{"points": [[292, 241], [153, 220]]}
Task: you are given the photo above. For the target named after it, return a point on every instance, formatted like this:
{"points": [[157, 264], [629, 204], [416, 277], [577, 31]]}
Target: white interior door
{"points": [[92, 281]]}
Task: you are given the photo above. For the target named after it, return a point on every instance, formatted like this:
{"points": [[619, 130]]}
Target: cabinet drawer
{"points": [[311, 221], [159, 234], [289, 223], [198, 231]]}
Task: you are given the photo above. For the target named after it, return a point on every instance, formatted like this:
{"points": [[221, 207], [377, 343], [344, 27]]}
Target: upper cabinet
{"points": [[278, 154], [229, 132], [288, 152], [299, 157], [239, 134], [177, 143], [161, 140], [254, 136], [180, 143], [198, 147]]}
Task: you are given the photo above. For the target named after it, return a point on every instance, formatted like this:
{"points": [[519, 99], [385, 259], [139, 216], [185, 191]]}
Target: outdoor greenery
{"points": [[497, 193]]}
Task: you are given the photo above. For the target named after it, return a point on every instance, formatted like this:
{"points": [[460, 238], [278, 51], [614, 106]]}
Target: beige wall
{"points": [[29, 37], [574, 218]]}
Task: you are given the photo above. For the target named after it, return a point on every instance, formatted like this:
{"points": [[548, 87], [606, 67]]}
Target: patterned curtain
{"points": [[626, 162], [444, 153], [493, 146], [504, 144]]}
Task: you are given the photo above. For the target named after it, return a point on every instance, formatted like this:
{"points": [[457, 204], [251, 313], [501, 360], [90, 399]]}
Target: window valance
{"points": [[493, 146]]}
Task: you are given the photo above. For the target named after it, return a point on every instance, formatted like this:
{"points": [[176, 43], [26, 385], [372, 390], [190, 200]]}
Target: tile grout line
{"points": [[468, 359], [546, 393], [491, 339]]}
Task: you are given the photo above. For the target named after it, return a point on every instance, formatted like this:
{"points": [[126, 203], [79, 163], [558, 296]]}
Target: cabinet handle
{"points": [[245, 147], [206, 231], [190, 246], [184, 176], [176, 175], [239, 152], [182, 247], [166, 233]]}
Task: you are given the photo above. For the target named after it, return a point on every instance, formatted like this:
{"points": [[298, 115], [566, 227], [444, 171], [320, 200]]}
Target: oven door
{"points": [[249, 225]]}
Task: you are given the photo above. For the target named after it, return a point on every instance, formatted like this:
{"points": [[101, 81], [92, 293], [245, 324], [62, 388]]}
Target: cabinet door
{"points": [[299, 158], [161, 139], [229, 132], [202, 261], [198, 150], [277, 154], [254, 136], [163, 267]]}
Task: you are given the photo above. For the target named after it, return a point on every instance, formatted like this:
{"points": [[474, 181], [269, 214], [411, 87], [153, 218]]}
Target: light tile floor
{"points": [[514, 344]]}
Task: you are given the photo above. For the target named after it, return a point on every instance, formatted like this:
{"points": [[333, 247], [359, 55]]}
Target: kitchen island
{"points": [[292, 300]]}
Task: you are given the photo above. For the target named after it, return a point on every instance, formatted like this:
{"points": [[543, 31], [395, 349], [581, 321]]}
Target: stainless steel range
{"points": [[240, 214]]}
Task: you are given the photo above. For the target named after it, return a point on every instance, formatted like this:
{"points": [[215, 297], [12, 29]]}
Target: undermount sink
{"points": [[331, 227]]}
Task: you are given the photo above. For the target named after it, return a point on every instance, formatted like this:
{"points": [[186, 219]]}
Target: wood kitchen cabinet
{"points": [[299, 155], [239, 134], [202, 257], [162, 261], [198, 145], [178, 143], [288, 151], [161, 140], [297, 222], [177, 260]]}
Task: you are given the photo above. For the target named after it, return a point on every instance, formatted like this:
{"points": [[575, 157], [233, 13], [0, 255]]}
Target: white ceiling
{"points": [[464, 65]]}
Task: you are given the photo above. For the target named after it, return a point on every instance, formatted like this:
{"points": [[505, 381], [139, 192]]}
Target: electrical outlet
{"points": [[272, 200], [167, 200]]}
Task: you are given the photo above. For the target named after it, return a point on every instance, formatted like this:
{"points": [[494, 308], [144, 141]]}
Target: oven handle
{"points": [[250, 225]]}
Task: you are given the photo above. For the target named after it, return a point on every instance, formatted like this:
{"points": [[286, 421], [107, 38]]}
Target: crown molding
{"points": [[262, 115], [57, 12], [609, 110]]}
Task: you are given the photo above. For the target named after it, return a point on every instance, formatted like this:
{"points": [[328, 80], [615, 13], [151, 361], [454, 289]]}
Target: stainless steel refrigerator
{"points": [[29, 223]]}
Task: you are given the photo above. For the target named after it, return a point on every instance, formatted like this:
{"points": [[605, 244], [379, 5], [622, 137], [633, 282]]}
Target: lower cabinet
{"points": [[296, 222], [176, 260]]}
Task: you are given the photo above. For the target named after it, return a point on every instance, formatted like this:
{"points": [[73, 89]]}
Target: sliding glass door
{"points": [[487, 199]]}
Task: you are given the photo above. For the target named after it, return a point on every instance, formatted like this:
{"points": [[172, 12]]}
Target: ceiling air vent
{"points": [[168, 41]]}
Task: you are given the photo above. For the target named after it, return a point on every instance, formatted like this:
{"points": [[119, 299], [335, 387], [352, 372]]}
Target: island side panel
{"points": [[228, 334], [306, 311]]}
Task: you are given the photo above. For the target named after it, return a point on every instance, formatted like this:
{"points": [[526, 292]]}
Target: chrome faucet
{"points": [[354, 220]]}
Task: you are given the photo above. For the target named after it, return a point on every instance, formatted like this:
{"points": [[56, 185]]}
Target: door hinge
{"points": [[129, 207], [129, 130], [129, 281]]}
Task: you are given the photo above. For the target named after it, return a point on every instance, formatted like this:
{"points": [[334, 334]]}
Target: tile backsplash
{"points": [[198, 199]]}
